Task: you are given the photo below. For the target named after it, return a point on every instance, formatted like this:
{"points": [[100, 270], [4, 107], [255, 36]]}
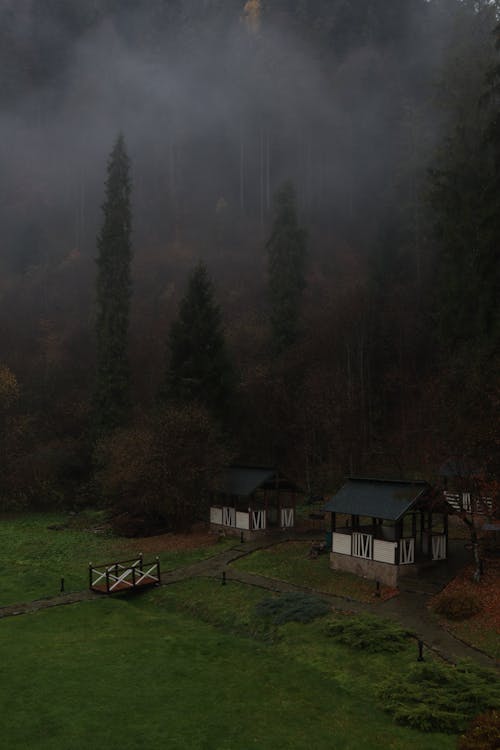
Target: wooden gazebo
{"points": [[381, 529], [253, 500]]}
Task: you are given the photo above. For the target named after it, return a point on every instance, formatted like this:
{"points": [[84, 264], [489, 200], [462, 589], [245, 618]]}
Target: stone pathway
{"points": [[409, 608]]}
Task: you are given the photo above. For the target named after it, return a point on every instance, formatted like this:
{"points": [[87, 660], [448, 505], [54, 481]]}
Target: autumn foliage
{"points": [[483, 733], [158, 472]]}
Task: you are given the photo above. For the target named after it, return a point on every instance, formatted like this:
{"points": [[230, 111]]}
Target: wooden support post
{"points": [[90, 575], [107, 580], [158, 568], [333, 521], [133, 576], [429, 519]]}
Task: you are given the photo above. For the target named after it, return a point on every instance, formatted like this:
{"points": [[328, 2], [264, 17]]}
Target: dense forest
{"points": [[307, 197]]}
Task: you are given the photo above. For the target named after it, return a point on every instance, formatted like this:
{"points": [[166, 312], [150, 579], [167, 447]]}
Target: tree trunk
{"points": [[476, 576], [242, 171]]}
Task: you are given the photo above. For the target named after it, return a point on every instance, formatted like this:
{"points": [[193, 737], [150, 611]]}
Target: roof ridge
{"points": [[380, 479]]}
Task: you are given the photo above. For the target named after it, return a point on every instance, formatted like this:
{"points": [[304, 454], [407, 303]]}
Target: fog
{"points": [[219, 103]]}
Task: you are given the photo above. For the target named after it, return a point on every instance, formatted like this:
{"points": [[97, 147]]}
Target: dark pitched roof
{"points": [[380, 498], [460, 467], [243, 480]]}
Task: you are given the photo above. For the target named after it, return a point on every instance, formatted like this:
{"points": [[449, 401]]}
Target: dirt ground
{"points": [[487, 592], [200, 536]]}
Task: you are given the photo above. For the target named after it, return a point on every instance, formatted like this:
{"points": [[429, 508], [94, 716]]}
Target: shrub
{"points": [[483, 733], [457, 606], [294, 607], [433, 697], [369, 633]]}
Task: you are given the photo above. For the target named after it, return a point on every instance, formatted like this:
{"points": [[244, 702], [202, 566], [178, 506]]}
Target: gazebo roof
{"points": [[460, 467], [389, 499], [243, 480]]}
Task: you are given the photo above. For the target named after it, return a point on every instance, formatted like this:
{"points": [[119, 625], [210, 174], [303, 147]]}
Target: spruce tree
{"points": [[286, 268], [199, 368], [112, 392]]}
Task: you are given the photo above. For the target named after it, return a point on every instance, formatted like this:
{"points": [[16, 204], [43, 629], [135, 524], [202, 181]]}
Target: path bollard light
{"points": [[420, 651], [223, 577], [377, 588], [62, 585]]}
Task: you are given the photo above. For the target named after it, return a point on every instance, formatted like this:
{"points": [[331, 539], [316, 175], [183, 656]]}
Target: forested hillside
{"points": [[315, 180]]}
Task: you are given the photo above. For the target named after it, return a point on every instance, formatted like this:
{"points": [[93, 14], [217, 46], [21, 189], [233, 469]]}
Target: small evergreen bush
{"points": [[457, 606], [433, 697], [483, 733], [368, 633], [294, 607]]}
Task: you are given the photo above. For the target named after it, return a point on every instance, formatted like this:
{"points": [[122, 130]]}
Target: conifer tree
{"points": [[199, 368], [286, 268], [112, 392]]}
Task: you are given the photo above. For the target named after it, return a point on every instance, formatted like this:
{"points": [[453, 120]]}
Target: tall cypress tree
{"points": [[112, 393], [286, 249], [199, 367]]}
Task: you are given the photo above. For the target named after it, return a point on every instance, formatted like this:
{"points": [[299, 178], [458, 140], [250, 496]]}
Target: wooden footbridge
{"points": [[126, 575]]}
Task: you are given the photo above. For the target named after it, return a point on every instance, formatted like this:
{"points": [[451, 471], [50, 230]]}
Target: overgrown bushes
{"points": [[483, 733], [433, 697], [368, 633], [457, 605], [293, 607]]}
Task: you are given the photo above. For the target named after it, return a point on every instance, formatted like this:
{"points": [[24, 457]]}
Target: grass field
{"points": [[289, 562], [36, 557], [174, 668]]}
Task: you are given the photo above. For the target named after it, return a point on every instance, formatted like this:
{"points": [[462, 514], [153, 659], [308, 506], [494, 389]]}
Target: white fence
{"points": [[362, 545], [287, 518], [341, 543], [439, 547], [228, 516], [254, 520], [406, 551], [242, 520], [216, 515], [258, 520], [384, 551], [464, 503]]}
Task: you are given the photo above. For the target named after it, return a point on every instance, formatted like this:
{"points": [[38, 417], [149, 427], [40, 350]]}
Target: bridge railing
{"points": [[122, 575]]}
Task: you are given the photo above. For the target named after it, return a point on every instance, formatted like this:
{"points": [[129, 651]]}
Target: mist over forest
{"points": [[384, 116]]}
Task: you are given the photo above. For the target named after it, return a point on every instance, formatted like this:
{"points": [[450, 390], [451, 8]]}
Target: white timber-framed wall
{"points": [[414, 533], [253, 500]]}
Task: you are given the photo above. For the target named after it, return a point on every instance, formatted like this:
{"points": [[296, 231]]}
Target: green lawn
{"points": [[170, 670], [478, 634], [34, 557], [289, 562]]}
